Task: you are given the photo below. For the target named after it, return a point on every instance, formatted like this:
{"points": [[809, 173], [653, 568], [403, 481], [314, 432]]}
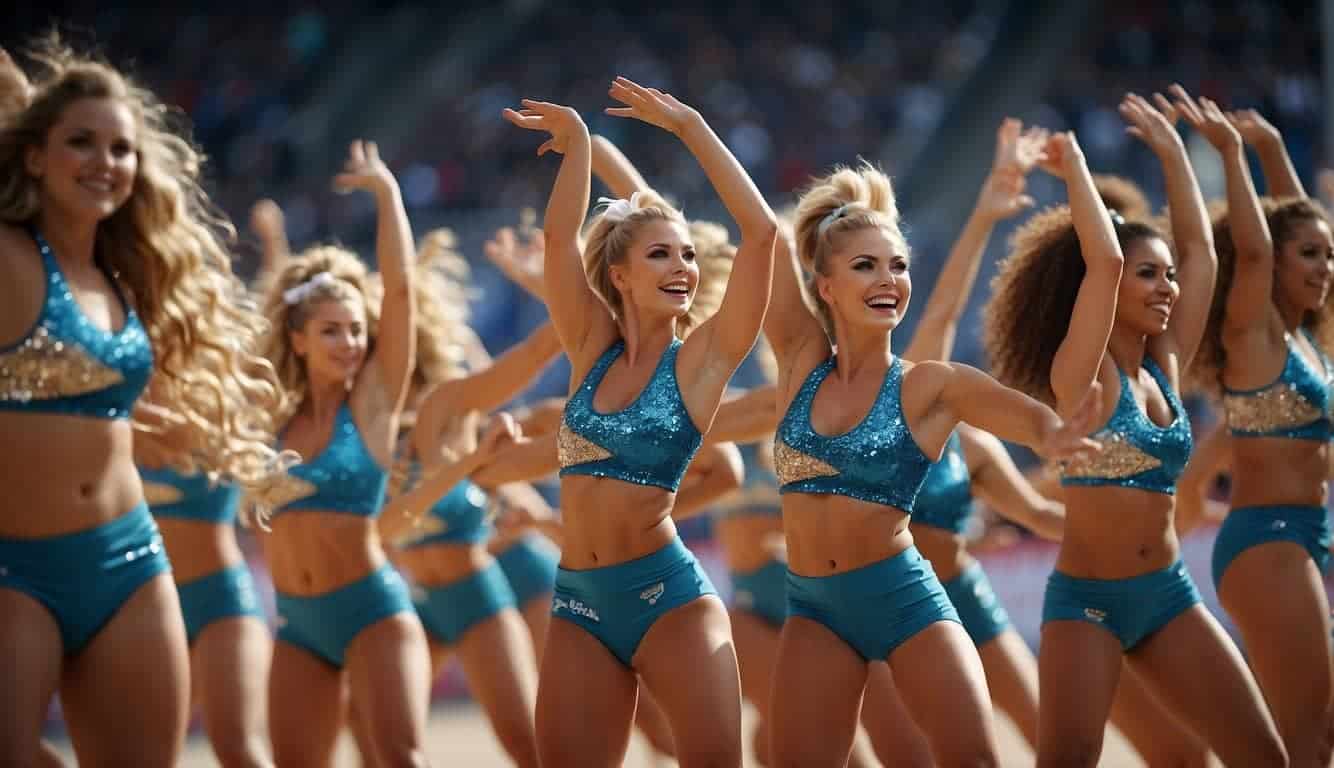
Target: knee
{"points": [[518, 740]]}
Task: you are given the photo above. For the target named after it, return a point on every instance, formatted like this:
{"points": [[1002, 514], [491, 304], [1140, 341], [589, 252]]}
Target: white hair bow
{"points": [[299, 293], [615, 211]]}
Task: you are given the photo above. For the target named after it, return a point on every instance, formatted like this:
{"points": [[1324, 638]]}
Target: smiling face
{"points": [[865, 281], [333, 341], [1304, 264], [1148, 291], [87, 166], [658, 274]]}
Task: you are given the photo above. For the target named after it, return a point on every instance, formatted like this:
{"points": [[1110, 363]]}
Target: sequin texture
{"points": [[68, 365], [1296, 406], [651, 442], [573, 448], [191, 497], [794, 466], [877, 461], [344, 477], [463, 516], [1137, 453], [946, 498]]}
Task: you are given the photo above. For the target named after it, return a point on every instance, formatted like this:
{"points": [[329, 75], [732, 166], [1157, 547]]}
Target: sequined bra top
{"points": [[344, 477], [462, 516], [877, 461], [1296, 405], [1137, 453], [946, 497], [758, 495], [189, 497], [67, 365], [650, 442]]}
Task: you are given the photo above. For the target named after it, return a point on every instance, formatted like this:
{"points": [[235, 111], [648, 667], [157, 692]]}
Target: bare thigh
{"points": [[585, 701], [942, 683], [1287, 639], [894, 734], [1195, 670], [229, 675], [389, 669], [815, 698], [30, 663], [497, 658], [305, 706], [1079, 666], [126, 695], [1157, 733], [703, 707], [1012, 677]]}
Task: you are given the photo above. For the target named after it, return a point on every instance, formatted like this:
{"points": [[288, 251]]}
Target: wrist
{"points": [[692, 126]]}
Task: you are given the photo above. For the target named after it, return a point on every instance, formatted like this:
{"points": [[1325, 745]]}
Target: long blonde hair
{"points": [[167, 246], [846, 200], [715, 254]]}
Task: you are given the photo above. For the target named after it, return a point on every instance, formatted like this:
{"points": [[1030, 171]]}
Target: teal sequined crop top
{"points": [[67, 365], [650, 442], [189, 497], [344, 477], [1296, 405], [1137, 453], [877, 461], [946, 497]]}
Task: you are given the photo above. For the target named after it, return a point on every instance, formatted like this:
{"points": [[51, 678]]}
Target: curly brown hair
{"points": [[1205, 374], [1033, 297]]}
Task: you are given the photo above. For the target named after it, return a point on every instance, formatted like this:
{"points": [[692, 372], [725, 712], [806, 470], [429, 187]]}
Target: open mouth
{"points": [[678, 288], [98, 186], [884, 303]]}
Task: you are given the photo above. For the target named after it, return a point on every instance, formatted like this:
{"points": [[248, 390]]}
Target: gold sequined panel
{"points": [[1118, 459], [426, 525], [573, 448], [157, 494], [1279, 407], [286, 489], [45, 368], [794, 466]]}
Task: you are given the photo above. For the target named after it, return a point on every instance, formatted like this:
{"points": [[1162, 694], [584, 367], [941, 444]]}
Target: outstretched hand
{"points": [[1071, 442], [1018, 151], [650, 105], [1150, 124], [560, 121], [15, 90], [364, 169], [1254, 128], [1204, 116], [1061, 155], [267, 220], [521, 262]]}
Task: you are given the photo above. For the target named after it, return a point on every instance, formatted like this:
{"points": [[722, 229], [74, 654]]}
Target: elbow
{"points": [[761, 228]]}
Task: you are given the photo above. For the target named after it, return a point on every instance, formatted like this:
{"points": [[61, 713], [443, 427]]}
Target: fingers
{"points": [[1186, 106]]}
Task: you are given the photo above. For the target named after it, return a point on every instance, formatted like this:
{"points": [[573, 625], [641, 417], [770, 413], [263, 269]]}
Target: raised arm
{"points": [[1249, 301], [502, 381], [716, 471], [577, 313], [1192, 234], [521, 262], [520, 462], [971, 396], [402, 512], [746, 419], [1281, 177], [270, 226], [795, 328], [395, 253], [998, 482], [1077, 361], [614, 169], [1002, 196], [730, 334]]}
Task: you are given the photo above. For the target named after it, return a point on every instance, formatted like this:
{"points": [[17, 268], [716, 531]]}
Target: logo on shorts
{"points": [[576, 607], [1095, 614], [744, 598], [1278, 525], [653, 593]]}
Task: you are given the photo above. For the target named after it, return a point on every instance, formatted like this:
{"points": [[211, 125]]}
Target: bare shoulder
{"points": [[23, 287]]}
